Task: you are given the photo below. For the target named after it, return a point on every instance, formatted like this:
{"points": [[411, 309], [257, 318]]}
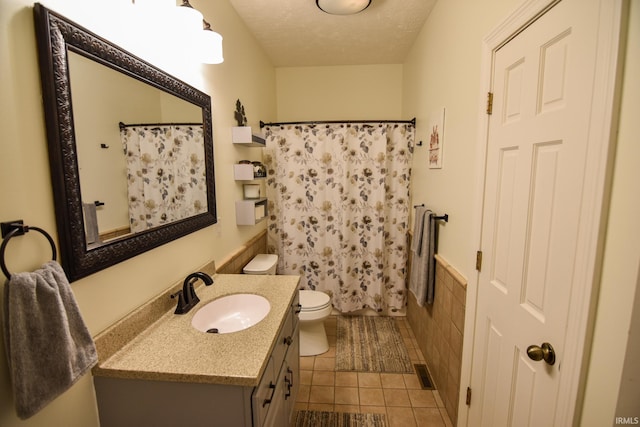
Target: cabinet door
{"points": [[263, 395], [292, 379], [276, 416]]}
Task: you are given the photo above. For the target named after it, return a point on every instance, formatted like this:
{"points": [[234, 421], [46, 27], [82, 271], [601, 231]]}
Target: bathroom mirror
{"points": [[98, 98]]}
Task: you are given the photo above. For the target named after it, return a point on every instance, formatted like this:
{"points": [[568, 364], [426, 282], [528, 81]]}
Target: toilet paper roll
{"points": [[260, 212]]}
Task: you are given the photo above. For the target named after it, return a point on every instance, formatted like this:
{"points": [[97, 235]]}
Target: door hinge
{"points": [[479, 260], [468, 396], [489, 103]]}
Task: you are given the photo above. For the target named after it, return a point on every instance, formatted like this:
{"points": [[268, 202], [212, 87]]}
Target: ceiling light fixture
{"points": [[195, 36], [342, 7]]}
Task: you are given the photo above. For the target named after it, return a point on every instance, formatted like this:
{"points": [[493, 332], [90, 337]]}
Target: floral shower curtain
{"points": [[339, 209], [165, 173]]}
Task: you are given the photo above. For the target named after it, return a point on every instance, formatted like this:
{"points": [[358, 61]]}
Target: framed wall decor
{"points": [[436, 138]]}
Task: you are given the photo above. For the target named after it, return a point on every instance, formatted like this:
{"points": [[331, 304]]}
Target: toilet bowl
{"points": [[315, 308]]}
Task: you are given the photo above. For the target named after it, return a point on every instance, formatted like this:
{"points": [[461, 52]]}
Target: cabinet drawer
{"points": [[263, 394]]}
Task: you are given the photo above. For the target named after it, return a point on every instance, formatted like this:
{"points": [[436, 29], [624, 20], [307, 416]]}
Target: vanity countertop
{"points": [[170, 349]]}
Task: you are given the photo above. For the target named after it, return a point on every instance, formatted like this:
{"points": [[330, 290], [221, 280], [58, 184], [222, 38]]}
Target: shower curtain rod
{"points": [[124, 125], [263, 124]]}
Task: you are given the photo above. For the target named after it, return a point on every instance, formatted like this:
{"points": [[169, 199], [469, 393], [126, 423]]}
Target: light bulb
{"points": [[189, 19]]}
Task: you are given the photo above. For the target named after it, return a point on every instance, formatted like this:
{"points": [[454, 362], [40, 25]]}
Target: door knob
{"points": [[545, 352]]}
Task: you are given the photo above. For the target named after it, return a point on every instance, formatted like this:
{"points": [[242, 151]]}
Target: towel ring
{"points": [[17, 231]]}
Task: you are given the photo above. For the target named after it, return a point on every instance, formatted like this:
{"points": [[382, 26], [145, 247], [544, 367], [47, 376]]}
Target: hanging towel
{"points": [[416, 242], [423, 272], [91, 223], [48, 345]]}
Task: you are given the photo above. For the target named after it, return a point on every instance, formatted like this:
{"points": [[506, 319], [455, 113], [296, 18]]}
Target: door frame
{"points": [[595, 199]]}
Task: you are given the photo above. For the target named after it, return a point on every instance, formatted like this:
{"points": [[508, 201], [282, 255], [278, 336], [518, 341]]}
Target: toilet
{"points": [[315, 308]]}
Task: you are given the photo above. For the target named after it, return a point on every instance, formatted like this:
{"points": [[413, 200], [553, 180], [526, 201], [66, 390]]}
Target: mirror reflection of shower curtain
{"points": [[166, 179], [339, 209]]}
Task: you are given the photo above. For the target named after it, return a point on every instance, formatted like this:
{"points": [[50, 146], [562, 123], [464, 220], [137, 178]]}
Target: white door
{"points": [[537, 152]]}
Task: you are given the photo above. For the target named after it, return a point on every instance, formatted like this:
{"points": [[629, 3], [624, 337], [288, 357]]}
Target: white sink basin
{"points": [[231, 313]]}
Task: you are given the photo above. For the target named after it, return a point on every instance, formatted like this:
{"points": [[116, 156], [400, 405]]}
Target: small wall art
{"points": [[436, 138]]}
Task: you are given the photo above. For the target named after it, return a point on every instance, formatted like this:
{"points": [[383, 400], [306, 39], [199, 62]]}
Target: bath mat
{"points": [[370, 344], [338, 419]]}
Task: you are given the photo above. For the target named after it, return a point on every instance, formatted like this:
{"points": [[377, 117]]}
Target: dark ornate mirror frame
{"points": [[57, 35]]}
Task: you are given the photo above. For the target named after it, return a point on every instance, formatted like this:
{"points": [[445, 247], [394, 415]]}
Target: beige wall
{"points": [[359, 92], [25, 185], [443, 70]]}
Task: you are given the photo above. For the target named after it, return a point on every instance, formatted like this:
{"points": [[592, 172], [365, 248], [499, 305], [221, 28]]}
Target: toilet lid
{"points": [[261, 263], [313, 300]]}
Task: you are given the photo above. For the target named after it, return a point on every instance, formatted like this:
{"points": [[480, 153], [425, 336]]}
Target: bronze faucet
{"points": [[187, 298]]}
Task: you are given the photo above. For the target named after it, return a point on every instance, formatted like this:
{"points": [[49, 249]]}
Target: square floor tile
{"points": [[367, 379], [392, 380], [347, 396], [321, 394], [371, 396]]}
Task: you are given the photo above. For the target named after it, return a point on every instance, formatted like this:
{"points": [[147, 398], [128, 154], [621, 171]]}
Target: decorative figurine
{"points": [[239, 115]]}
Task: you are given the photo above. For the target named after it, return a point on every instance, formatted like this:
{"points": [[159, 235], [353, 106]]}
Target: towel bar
{"points": [[17, 228], [444, 217]]}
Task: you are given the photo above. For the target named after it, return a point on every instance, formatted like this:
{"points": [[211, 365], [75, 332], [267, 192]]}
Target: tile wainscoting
{"points": [[235, 262], [439, 330]]}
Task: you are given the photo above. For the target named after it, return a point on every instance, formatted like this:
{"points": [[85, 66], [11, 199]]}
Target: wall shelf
{"points": [[242, 135], [244, 172], [251, 211]]}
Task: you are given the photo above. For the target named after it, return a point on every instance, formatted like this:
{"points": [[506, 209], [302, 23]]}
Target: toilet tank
{"points": [[262, 264]]}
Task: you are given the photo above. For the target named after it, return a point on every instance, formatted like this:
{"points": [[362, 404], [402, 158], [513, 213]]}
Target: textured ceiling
{"points": [[297, 33]]}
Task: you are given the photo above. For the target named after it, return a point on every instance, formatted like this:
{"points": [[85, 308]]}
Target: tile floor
{"points": [[399, 396]]}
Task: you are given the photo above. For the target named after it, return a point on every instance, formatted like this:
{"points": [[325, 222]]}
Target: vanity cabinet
{"points": [[132, 402]]}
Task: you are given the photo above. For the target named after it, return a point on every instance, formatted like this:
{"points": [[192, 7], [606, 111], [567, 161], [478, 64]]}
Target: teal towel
{"points": [[48, 345]]}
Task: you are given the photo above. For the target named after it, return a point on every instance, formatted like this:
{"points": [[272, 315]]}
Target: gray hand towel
{"points": [[91, 223], [423, 269], [418, 227], [48, 345]]}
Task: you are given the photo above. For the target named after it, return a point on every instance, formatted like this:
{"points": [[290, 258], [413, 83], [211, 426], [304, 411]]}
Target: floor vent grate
{"points": [[423, 376]]}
